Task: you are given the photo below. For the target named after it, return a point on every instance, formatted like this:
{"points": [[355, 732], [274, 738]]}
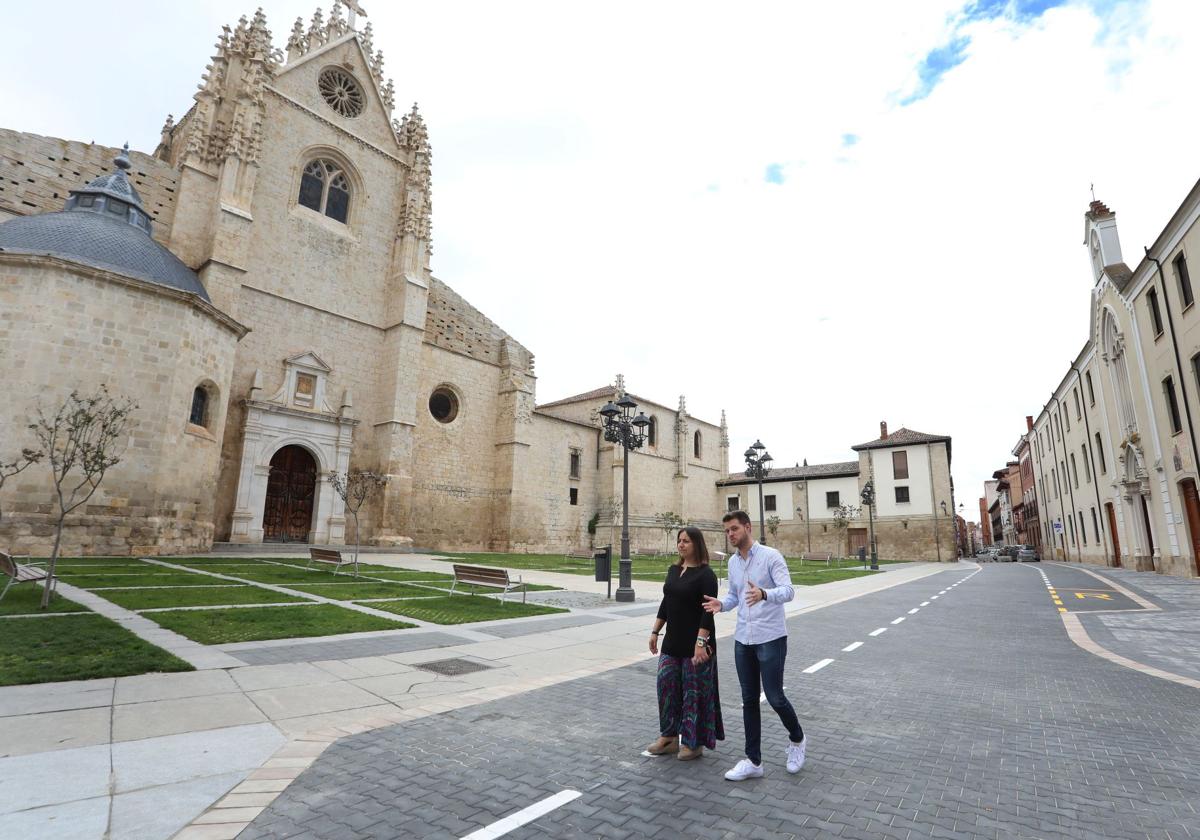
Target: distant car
{"points": [[994, 553], [1027, 554], [1009, 553]]}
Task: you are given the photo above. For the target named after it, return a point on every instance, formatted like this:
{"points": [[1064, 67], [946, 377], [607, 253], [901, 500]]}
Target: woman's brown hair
{"points": [[698, 545]]}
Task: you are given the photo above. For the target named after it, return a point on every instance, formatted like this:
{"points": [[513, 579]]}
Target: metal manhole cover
{"points": [[452, 667]]}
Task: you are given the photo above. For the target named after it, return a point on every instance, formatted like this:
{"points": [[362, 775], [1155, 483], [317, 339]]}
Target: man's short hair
{"points": [[740, 515]]}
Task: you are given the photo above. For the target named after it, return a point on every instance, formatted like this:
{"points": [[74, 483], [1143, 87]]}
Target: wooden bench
{"points": [[20, 573], [578, 554], [647, 552], [331, 556], [827, 556], [486, 576]]}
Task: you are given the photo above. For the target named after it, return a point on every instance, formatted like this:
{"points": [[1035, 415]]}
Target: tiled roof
{"points": [[605, 393], [901, 437], [1120, 274], [838, 470]]}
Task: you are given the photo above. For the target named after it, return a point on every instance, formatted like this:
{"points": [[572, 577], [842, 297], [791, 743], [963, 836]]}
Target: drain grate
{"points": [[452, 667]]}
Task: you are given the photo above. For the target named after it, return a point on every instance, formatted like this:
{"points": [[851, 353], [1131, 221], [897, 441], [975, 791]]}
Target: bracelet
{"points": [[655, 633], [701, 642]]}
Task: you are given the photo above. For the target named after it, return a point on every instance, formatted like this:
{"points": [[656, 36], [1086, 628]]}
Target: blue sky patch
{"points": [[774, 173], [849, 140]]}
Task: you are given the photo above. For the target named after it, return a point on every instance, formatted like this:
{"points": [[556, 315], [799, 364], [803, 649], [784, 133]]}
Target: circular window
{"points": [[443, 405], [341, 91]]}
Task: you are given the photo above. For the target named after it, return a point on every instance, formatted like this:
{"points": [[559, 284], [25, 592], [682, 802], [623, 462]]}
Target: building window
{"points": [[1064, 418], [652, 432], [325, 188], [1091, 391], [341, 92], [833, 498], [199, 412], [574, 495], [1095, 526], [901, 494], [1155, 317], [1185, 280], [1075, 394], [117, 207], [899, 465], [696, 444], [1066, 476], [1100, 452], [576, 457], [731, 503], [1054, 475], [443, 405], [1071, 525], [1172, 405], [768, 503], [1087, 469]]}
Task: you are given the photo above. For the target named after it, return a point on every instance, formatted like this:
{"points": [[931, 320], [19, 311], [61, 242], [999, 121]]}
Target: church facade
{"points": [[260, 285]]}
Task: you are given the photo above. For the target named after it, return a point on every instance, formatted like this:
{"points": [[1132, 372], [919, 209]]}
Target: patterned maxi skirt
{"points": [[689, 704]]}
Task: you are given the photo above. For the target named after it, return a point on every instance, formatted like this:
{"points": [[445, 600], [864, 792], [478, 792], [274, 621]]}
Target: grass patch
{"points": [[214, 627], [409, 574], [76, 647], [366, 589], [459, 609], [95, 581], [266, 574], [26, 599], [475, 589], [203, 596], [812, 577]]}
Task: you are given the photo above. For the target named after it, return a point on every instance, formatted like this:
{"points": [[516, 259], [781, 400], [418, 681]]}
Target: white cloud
{"points": [[600, 191]]}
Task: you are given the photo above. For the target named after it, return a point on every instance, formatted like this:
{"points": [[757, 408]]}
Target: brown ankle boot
{"points": [[665, 745], [687, 753]]}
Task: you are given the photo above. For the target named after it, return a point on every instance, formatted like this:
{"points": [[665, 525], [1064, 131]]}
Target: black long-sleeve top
{"points": [[682, 608]]}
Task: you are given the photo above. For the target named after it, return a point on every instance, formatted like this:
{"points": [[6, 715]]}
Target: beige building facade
{"points": [[1114, 447], [284, 286]]}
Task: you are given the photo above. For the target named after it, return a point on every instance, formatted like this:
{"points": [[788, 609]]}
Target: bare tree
{"points": [[669, 521], [27, 459], [354, 489], [82, 441], [842, 515]]}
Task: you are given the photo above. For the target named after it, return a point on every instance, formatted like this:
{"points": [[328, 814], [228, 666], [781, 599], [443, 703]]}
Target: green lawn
{"points": [[26, 599], [214, 627], [169, 579], [366, 589], [75, 647], [462, 609], [198, 596]]}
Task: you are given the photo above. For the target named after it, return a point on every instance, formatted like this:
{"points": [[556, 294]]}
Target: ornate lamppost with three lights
{"points": [[758, 465], [624, 428]]}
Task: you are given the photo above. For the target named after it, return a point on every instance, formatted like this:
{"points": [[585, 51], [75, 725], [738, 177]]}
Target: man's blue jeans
{"points": [[763, 665]]}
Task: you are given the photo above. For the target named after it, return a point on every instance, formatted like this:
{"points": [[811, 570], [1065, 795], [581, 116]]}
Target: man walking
{"points": [[759, 586]]}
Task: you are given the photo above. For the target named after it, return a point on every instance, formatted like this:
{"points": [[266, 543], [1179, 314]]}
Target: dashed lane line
{"points": [[817, 666], [852, 646], [914, 610], [525, 815], [924, 603], [877, 632], [897, 620]]}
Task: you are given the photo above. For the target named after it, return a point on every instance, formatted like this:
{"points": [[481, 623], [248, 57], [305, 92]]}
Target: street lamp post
{"points": [[758, 461], [622, 427], [868, 499]]}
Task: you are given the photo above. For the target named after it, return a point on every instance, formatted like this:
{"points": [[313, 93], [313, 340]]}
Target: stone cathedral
{"points": [[260, 284]]}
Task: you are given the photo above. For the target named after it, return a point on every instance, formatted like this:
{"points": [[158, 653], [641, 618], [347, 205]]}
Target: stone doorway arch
{"points": [[290, 505]]}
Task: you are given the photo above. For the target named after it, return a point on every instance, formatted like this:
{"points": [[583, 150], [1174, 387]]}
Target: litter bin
{"points": [[862, 555], [603, 557]]}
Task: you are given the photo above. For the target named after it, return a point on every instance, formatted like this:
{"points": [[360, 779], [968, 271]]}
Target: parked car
{"points": [[1027, 554], [1009, 553]]}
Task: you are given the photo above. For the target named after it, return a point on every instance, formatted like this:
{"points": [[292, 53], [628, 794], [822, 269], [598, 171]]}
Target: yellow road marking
{"points": [[1062, 609], [1100, 596]]}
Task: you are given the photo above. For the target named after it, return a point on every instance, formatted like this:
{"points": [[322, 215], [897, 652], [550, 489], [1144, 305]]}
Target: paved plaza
{"points": [[939, 701]]}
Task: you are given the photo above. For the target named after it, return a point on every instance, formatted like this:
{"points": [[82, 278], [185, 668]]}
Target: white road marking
{"points": [[852, 646], [525, 815], [877, 632], [897, 620], [943, 592], [924, 603], [914, 610], [812, 669], [935, 597]]}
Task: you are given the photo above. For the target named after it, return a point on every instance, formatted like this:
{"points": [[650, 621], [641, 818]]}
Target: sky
{"points": [[814, 216]]}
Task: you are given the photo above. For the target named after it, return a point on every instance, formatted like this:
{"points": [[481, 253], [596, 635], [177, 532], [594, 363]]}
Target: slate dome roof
{"points": [[103, 225]]}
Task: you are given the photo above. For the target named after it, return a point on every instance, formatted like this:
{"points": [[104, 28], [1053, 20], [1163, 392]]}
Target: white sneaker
{"points": [[745, 769], [795, 755]]}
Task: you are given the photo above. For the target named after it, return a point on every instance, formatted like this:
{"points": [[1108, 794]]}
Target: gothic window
{"points": [[696, 444], [199, 413], [576, 457], [325, 188], [341, 91], [652, 432]]}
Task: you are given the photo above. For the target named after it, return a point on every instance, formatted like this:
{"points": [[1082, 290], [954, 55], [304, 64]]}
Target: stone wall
{"points": [[38, 173], [144, 342]]}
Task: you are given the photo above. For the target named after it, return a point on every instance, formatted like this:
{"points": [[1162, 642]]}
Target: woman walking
{"points": [[689, 706]]}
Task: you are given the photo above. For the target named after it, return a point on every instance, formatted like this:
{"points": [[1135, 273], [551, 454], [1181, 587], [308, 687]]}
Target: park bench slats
{"points": [[21, 573], [332, 557], [486, 576], [827, 556]]}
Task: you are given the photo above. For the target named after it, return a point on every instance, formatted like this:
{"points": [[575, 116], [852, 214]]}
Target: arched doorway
{"points": [[291, 488]]}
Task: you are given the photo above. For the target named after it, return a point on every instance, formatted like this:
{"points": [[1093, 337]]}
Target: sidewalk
{"points": [[144, 756]]}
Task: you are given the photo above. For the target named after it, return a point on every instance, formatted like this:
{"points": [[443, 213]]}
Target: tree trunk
{"points": [[52, 564]]}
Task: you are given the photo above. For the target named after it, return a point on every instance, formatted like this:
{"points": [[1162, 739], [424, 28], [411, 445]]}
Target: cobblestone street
{"points": [[971, 715]]}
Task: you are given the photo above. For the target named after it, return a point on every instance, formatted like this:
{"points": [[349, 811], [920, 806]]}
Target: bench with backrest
{"points": [[331, 557], [578, 554], [647, 552], [827, 556], [487, 576], [21, 573]]}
